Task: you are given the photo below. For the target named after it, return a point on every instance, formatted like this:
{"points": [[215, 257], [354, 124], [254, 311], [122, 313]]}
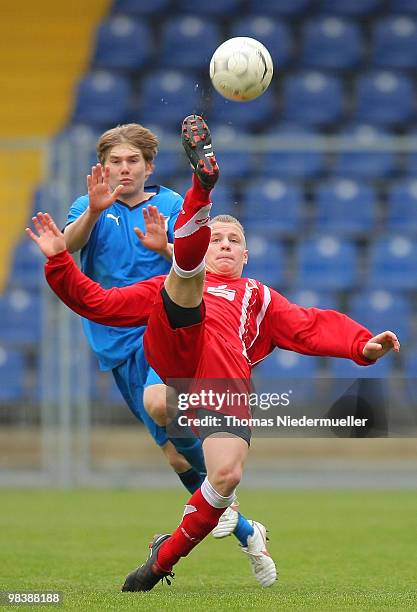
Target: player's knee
{"points": [[154, 401], [226, 479]]}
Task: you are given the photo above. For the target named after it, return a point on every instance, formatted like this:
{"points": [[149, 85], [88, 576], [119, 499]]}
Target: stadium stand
{"points": [[331, 43]]}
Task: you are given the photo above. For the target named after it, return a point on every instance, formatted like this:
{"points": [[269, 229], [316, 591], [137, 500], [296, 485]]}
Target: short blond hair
{"points": [[132, 134], [228, 219]]}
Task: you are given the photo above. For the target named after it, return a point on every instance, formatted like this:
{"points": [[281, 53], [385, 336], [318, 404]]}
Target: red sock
{"points": [[200, 518], [191, 232]]}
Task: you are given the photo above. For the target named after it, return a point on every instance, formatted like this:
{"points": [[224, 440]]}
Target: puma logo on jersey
{"points": [[222, 291], [110, 216]]}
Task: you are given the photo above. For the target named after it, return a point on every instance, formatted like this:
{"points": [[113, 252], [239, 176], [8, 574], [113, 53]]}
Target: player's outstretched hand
{"points": [[48, 238], [381, 344], [99, 191], [155, 236]]}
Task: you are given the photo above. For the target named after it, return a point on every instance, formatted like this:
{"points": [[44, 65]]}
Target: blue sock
{"points": [[191, 480], [190, 447], [243, 530]]}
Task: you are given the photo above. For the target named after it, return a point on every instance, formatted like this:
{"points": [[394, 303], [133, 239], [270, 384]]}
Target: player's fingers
{"points": [[89, 182], [31, 235], [117, 192], [161, 220], [374, 346], [53, 227], [43, 221], [38, 226], [139, 233], [154, 214], [146, 215]]}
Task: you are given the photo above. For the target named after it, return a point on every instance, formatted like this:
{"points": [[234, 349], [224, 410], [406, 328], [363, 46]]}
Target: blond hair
{"points": [[132, 134], [228, 219]]}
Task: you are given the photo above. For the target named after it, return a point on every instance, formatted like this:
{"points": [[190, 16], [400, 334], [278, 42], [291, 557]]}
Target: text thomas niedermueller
{"points": [[278, 421]]}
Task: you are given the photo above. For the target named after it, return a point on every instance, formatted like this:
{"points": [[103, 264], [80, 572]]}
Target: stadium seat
{"points": [[326, 263], [234, 161], [225, 7], [345, 368], [20, 318], [351, 7], [188, 42], [393, 263], [331, 43], [122, 43], [402, 7], [312, 98], [27, 267], [291, 163], [402, 207], [380, 309], [167, 96], [101, 99], [385, 98], [367, 162], [12, 375], [287, 364], [141, 8], [167, 164], [345, 207], [275, 35], [266, 261], [287, 8], [246, 116], [395, 43], [308, 298], [272, 207]]}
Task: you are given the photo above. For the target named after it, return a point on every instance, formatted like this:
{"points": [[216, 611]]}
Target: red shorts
{"points": [[195, 353]]}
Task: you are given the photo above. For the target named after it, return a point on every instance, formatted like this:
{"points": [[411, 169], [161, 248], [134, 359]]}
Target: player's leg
{"points": [[184, 285], [129, 377], [201, 515]]}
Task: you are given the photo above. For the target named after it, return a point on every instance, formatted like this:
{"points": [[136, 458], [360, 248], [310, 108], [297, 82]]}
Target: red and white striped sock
{"points": [[192, 232], [201, 515]]}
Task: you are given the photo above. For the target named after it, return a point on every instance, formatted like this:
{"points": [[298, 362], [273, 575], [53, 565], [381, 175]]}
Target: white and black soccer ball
{"points": [[241, 69]]}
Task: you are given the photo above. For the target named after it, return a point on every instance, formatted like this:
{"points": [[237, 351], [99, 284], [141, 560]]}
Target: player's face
{"points": [[128, 168], [227, 252]]}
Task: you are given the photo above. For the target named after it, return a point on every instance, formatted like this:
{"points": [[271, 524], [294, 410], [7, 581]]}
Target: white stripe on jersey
{"points": [[244, 322], [261, 313]]}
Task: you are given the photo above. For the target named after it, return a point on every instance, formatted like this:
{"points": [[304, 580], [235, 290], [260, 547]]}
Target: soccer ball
{"points": [[241, 69]]}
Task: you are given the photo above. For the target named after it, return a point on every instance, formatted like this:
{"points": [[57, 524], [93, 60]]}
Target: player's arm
{"points": [[100, 197], [127, 306], [325, 333]]}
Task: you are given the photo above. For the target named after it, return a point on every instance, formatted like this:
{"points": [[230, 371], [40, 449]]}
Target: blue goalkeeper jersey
{"points": [[114, 257]]}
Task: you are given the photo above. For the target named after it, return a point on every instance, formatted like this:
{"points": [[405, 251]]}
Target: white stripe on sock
{"points": [[200, 219], [187, 273], [213, 498]]}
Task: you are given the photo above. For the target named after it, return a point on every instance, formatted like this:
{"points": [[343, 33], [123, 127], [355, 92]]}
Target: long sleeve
{"points": [[311, 331], [121, 307]]}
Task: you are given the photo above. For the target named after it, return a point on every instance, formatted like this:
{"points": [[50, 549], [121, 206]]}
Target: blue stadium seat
{"points": [[380, 309], [345, 207], [26, 271], [122, 43], [101, 99], [233, 163], [243, 115], [188, 42], [393, 263], [308, 298], [350, 7], [12, 375], [167, 96], [287, 364], [266, 261], [402, 7], [312, 98], [225, 7], [368, 162], [326, 263], [141, 8], [287, 8], [385, 98], [331, 43], [275, 35], [272, 207], [345, 368], [292, 164], [402, 207], [20, 318], [167, 164], [395, 43]]}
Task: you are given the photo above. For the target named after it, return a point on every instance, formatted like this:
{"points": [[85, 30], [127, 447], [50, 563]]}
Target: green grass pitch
{"points": [[336, 550]]}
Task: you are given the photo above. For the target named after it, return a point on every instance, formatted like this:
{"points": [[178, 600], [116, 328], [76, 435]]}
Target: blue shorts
{"points": [[132, 377]]}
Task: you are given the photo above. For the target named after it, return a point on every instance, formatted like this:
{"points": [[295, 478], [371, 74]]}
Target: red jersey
{"points": [[243, 314]]}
